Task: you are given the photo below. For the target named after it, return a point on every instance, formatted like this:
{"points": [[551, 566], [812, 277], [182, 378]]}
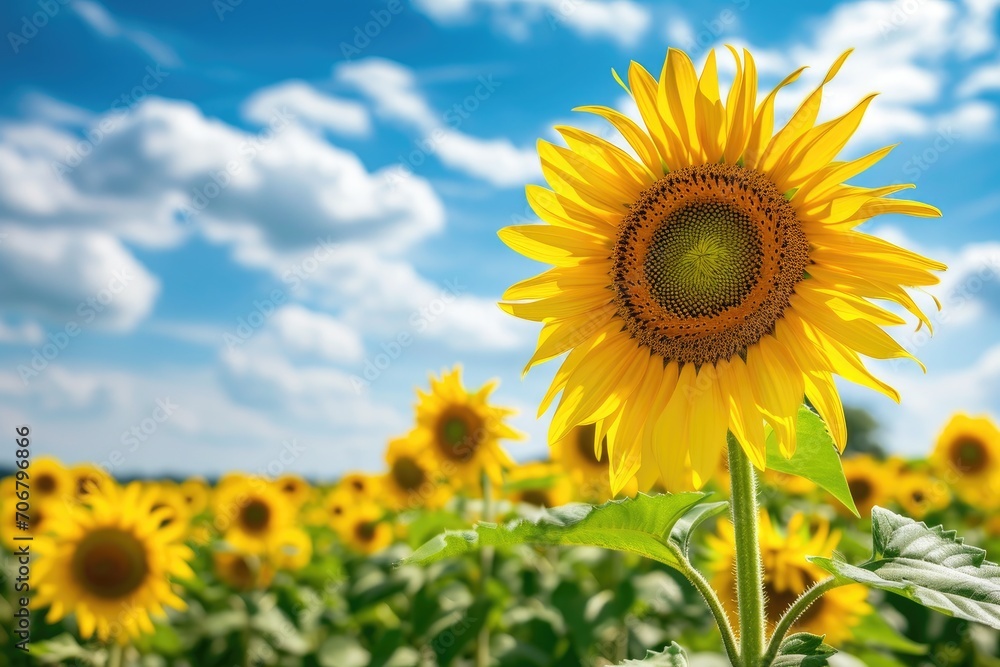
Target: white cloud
{"points": [[983, 79], [496, 161], [622, 21], [86, 277], [102, 22], [392, 89], [306, 332], [309, 107]]}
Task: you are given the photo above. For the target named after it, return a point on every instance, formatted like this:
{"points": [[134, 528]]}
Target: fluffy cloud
{"points": [[392, 89], [86, 277], [309, 107], [622, 21], [101, 21]]}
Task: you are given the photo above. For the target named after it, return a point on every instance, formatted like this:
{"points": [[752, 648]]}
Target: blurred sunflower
{"points": [[170, 497], [291, 549], [412, 480], [336, 507], [42, 515], [109, 562], [88, 478], [364, 530], [538, 483], [296, 489], [360, 485], [920, 494], [787, 574], [50, 479], [868, 482], [196, 493], [241, 571], [967, 456], [708, 285], [586, 464], [462, 431], [252, 513]]}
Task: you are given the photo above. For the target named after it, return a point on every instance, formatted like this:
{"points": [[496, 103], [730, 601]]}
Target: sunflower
{"points": [[787, 574], [586, 465], [967, 456], [866, 478], [109, 562], [713, 277], [196, 493], [361, 485], [412, 480], [87, 478], [170, 497], [364, 529], [920, 494], [461, 430], [49, 479], [295, 488], [539, 483], [336, 507], [291, 550], [42, 515], [252, 512], [241, 571]]}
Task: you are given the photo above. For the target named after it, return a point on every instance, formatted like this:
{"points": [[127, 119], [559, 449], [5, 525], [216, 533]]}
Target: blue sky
{"points": [[215, 216]]}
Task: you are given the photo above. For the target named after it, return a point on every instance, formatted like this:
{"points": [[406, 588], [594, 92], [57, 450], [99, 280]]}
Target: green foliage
{"points": [[640, 525], [672, 656], [803, 650], [931, 566], [816, 457]]}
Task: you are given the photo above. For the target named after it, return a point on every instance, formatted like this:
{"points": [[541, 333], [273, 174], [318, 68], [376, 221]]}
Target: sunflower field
{"points": [[707, 499]]}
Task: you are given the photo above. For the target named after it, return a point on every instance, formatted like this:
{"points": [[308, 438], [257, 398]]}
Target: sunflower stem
{"points": [[797, 609], [749, 569], [116, 654], [701, 584], [485, 571]]}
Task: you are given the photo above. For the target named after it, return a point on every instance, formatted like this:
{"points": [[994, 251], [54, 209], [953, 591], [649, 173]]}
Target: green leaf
{"points": [[639, 525], [685, 526], [931, 566], [803, 650], [875, 631], [672, 656], [342, 651], [816, 457]]}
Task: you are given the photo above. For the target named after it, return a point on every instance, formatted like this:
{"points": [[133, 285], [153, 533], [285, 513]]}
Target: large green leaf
{"points": [[639, 525], [672, 656], [803, 650], [816, 457], [686, 525], [931, 566], [875, 632]]}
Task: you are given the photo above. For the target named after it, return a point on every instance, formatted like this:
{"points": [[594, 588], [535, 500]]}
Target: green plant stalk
{"points": [[749, 570], [485, 571], [115, 654], [798, 607], [701, 584]]}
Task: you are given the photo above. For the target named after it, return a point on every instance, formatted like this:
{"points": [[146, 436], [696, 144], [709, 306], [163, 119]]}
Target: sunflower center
{"points": [[536, 497], [585, 435], [45, 484], [970, 456], [289, 487], [365, 531], [408, 474], [110, 563], [460, 432], [706, 261], [255, 516], [861, 489]]}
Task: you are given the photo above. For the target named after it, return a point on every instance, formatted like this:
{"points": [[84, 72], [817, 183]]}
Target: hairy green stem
{"points": [[701, 584], [485, 571], [798, 607], [749, 570], [116, 654]]}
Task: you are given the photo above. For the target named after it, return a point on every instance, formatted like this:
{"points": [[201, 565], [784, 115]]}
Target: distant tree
{"points": [[862, 433]]}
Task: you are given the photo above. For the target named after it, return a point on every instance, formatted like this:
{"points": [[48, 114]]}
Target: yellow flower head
{"points": [[413, 480], [109, 562], [88, 478], [241, 571], [920, 494], [461, 431], [787, 574], [42, 515], [251, 513], [170, 497], [869, 482], [296, 489], [967, 457], [713, 276], [539, 483], [291, 549], [195, 492], [360, 485], [364, 530], [50, 479]]}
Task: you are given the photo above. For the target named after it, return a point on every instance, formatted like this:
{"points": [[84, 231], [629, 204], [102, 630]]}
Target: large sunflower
{"points": [[787, 574], [109, 562], [461, 431], [967, 456], [711, 278]]}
